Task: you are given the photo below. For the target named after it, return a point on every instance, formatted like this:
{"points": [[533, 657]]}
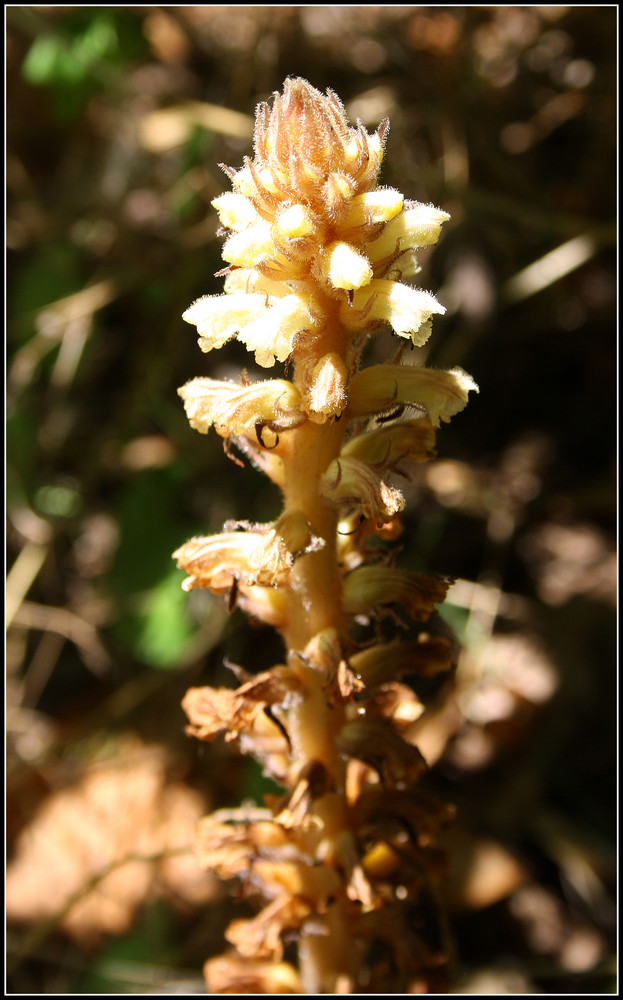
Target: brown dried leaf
{"points": [[260, 937], [127, 808], [215, 710]]}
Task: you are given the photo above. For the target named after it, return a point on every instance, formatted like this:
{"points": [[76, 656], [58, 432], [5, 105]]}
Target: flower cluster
{"points": [[317, 256]]}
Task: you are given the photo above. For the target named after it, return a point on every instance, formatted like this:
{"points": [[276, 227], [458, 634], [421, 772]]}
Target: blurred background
{"points": [[117, 119]]}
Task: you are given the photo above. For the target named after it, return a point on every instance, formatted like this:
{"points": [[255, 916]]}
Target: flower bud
{"points": [[296, 222], [344, 267], [235, 211], [371, 208], [326, 396]]}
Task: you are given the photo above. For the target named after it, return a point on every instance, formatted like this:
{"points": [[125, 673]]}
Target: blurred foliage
{"points": [[117, 119], [77, 59]]}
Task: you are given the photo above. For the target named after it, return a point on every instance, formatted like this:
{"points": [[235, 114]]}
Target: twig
{"points": [[42, 930]]}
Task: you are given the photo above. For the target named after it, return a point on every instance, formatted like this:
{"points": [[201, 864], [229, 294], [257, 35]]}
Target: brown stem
{"points": [[315, 601]]}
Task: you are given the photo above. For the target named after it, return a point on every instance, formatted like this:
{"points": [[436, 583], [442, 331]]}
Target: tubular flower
{"points": [[234, 409], [352, 480], [341, 863], [264, 555]]}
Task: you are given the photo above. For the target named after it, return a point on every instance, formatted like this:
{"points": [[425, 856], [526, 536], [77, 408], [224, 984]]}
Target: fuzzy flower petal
{"points": [[370, 586], [264, 555], [381, 387], [268, 326], [345, 267], [387, 447], [417, 226], [249, 246], [348, 479], [233, 409], [218, 318], [407, 310], [371, 208], [273, 334], [235, 211]]}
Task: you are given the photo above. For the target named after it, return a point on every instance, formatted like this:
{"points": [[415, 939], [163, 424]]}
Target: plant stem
{"points": [[315, 599]]}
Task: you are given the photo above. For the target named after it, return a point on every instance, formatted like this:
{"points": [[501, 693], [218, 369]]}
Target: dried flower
{"points": [[318, 256]]}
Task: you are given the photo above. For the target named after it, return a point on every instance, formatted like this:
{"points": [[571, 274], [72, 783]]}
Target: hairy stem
{"points": [[315, 598]]}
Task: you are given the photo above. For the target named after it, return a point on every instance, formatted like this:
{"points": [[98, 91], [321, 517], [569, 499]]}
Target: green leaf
{"points": [[455, 617], [164, 630], [42, 63], [256, 784], [52, 272]]}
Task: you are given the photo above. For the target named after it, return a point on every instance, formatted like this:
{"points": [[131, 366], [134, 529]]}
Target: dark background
{"points": [[506, 118]]}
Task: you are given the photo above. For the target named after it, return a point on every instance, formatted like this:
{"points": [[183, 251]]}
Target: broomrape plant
{"points": [[344, 864]]}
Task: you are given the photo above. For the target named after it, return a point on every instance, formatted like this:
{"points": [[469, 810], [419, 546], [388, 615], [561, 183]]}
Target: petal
{"points": [[396, 702], [370, 586], [217, 561], [418, 226], [371, 208], [213, 710], [235, 211], [405, 309], [218, 318], [264, 555], [265, 604], [376, 742], [247, 279], [233, 974], [351, 480], [400, 268], [249, 246], [235, 409], [296, 221], [388, 661], [260, 937], [386, 447], [380, 387], [274, 334], [230, 847]]}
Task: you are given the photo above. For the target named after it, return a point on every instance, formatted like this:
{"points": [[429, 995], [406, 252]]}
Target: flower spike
{"points": [[318, 259]]}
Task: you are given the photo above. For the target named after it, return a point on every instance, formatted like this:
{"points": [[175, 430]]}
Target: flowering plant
{"points": [[318, 257]]}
